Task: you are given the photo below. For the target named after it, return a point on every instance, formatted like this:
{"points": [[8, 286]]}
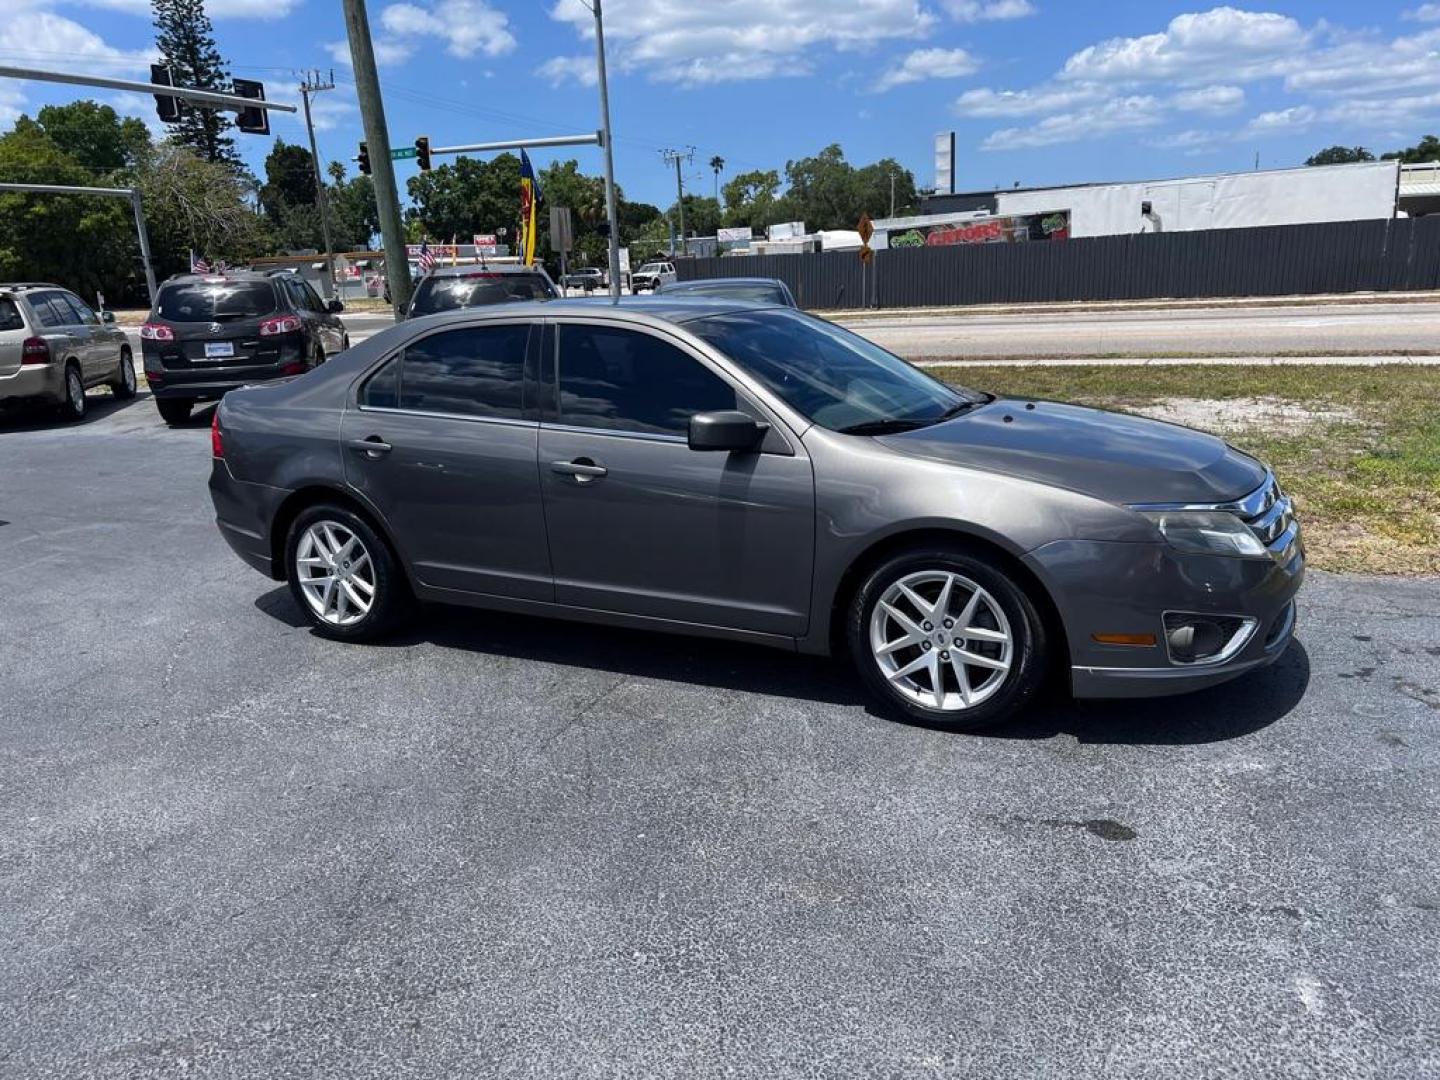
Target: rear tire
{"points": [[72, 407], [174, 411], [124, 385], [343, 576], [983, 639]]}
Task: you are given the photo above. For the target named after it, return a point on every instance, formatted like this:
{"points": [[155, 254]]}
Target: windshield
{"points": [[476, 290], [216, 302], [651, 268], [834, 378]]}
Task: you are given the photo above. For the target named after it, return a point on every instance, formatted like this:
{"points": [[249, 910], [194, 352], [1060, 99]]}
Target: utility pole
{"points": [[610, 212], [675, 157], [382, 169], [311, 84], [892, 194]]}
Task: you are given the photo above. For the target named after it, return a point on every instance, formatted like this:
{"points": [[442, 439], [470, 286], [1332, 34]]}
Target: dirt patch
{"points": [[1267, 414]]}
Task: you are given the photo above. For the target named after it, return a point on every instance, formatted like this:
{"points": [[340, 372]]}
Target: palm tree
{"points": [[717, 166]]}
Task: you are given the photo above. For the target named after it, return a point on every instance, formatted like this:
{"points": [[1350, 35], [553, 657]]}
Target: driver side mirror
{"points": [[107, 316], [334, 307], [727, 430]]}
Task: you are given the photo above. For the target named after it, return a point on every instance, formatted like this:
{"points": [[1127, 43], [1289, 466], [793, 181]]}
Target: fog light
{"points": [[1193, 638]]}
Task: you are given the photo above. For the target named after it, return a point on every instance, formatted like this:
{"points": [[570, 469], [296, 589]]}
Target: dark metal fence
{"points": [[1280, 260]]}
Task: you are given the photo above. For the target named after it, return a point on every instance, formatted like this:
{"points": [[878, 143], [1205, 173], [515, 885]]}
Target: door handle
{"points": [[371, 447], [582, 469]]}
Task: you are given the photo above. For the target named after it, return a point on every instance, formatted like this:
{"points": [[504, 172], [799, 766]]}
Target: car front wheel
{"points": [[343, 575], [947, 639]]}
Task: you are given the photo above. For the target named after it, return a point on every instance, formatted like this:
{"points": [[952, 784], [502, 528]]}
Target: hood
{"points": [[1107, 455]]}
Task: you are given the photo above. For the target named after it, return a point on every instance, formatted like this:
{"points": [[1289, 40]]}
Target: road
{"points": [[1222, 331], [508, 847]]}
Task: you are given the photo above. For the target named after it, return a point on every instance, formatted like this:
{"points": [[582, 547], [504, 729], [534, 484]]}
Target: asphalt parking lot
{"points": [[509, 847]]}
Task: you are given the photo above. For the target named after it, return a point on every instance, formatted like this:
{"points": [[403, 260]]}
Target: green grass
{"points": [[1367, 487]]}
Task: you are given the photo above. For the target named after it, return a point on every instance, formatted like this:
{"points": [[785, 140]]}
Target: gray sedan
{"points": [[724, 469]]}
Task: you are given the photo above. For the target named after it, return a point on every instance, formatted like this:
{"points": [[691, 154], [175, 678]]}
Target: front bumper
{"points": [[1120, 588], [34, 382]]}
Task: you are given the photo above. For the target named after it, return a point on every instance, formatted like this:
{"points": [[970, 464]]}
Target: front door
{"points": [[439, 439], [641, 524]]}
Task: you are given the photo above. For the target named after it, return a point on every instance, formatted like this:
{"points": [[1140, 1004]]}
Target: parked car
{"points": [[652, 275], [54, 347], [762, 290], [718, 468], [588, 278], [209, 333], [453, 288]]}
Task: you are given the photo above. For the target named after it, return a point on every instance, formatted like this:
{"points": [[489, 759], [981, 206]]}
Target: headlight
{"points": [[1204, 532]]}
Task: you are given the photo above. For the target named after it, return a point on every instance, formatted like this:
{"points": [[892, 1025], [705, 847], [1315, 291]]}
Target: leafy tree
{"points": [[85, 242], [1340, 155], [1427, 149], [634, 216], [702, 215], [97, 137], [354, 218], [717, 166], [289, 178], [186, 43], [872, 190], [751, 197], [467, 197]]}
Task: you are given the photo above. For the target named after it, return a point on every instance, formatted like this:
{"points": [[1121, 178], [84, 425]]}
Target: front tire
{"points": [[947, 639], [343, 576]]}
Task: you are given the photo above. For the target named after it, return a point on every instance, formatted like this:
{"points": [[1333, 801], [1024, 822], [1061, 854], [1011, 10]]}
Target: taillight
{"points": [[217, 442], [35, 350], [295, 368], [154, 331], [279, 324]]}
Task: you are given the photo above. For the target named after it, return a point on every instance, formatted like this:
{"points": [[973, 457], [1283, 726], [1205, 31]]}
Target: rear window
{"points": [[216, 302], [452, 293]]}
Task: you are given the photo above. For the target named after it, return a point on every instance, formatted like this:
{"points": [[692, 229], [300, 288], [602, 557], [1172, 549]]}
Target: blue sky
{"points": [[1039, 91]]}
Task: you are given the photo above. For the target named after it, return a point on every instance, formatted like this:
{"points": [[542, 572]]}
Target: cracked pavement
{"points": [[504, 846]]}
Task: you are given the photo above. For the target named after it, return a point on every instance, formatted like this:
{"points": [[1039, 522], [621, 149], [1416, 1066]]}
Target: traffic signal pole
{"points": [[382, 169], [133, 194]]}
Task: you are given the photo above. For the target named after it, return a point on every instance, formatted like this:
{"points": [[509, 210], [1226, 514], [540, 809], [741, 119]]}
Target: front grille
{"points": [[1271, 517]]}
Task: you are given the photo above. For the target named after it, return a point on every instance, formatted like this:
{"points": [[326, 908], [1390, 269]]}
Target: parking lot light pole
{"points": [[382, 169], [133, 194]]}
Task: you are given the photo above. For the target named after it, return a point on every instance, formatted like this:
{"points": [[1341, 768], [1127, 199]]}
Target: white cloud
{"points": [[1295, 118], [43, 39], [386, 52], [1423, 13], [1119, 114], [1215, 100], [1365, 64], [216, 9], [988, 10], [578, 69], [929, 64], [1198, 47], [466, 26], [702, 42], [985, 102]]}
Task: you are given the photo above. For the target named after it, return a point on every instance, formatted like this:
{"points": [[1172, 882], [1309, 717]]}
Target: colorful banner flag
{"points": [[529, 210]]}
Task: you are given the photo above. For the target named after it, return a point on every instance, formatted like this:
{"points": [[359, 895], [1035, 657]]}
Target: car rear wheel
{"points": [[124, 385], [174, 411], [947, 639], [343, 575], [73, 405]]}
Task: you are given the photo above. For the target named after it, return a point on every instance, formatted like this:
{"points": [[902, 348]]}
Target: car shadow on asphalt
{"points": [[27, 416], [1235, 709]]}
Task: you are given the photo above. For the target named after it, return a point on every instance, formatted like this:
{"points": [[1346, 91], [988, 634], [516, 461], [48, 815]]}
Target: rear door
{"points": [[100, 353], [441, 439]]}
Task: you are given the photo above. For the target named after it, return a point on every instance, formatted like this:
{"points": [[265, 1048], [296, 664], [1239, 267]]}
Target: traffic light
{"points": [[422, 152], [364, 159], [166, 107], [254, 121]]}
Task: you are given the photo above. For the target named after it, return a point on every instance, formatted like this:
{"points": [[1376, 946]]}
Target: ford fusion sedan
{"points": [[720, 468]]}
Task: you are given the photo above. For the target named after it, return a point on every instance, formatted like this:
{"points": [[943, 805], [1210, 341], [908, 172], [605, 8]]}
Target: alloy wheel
{"points": [[74, 393], [941, 640], [335, 573]]}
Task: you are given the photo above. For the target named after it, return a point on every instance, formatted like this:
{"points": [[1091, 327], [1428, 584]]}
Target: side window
{"points": [[10, 316], [87, 316], [296, 293], [478, 371], [50, 312], [312, 299], [382, 390], [625, 380]]}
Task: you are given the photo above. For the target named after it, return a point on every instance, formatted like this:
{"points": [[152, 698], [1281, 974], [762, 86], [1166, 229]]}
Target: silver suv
{"points": [[53, 347]]}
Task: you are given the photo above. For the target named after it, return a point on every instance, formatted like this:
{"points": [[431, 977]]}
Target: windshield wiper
{"points": [[882, 427]]}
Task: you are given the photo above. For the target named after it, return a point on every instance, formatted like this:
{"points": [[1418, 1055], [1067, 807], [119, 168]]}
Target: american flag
{"points": [[427, 258], [198, 265]]}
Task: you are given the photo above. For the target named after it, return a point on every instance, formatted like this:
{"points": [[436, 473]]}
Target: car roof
{"points": [[212, 279], [483, 268], [643, 309], [24, 286]]}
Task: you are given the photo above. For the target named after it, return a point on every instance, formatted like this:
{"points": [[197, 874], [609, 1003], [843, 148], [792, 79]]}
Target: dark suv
{"points": [[209, 333]]}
